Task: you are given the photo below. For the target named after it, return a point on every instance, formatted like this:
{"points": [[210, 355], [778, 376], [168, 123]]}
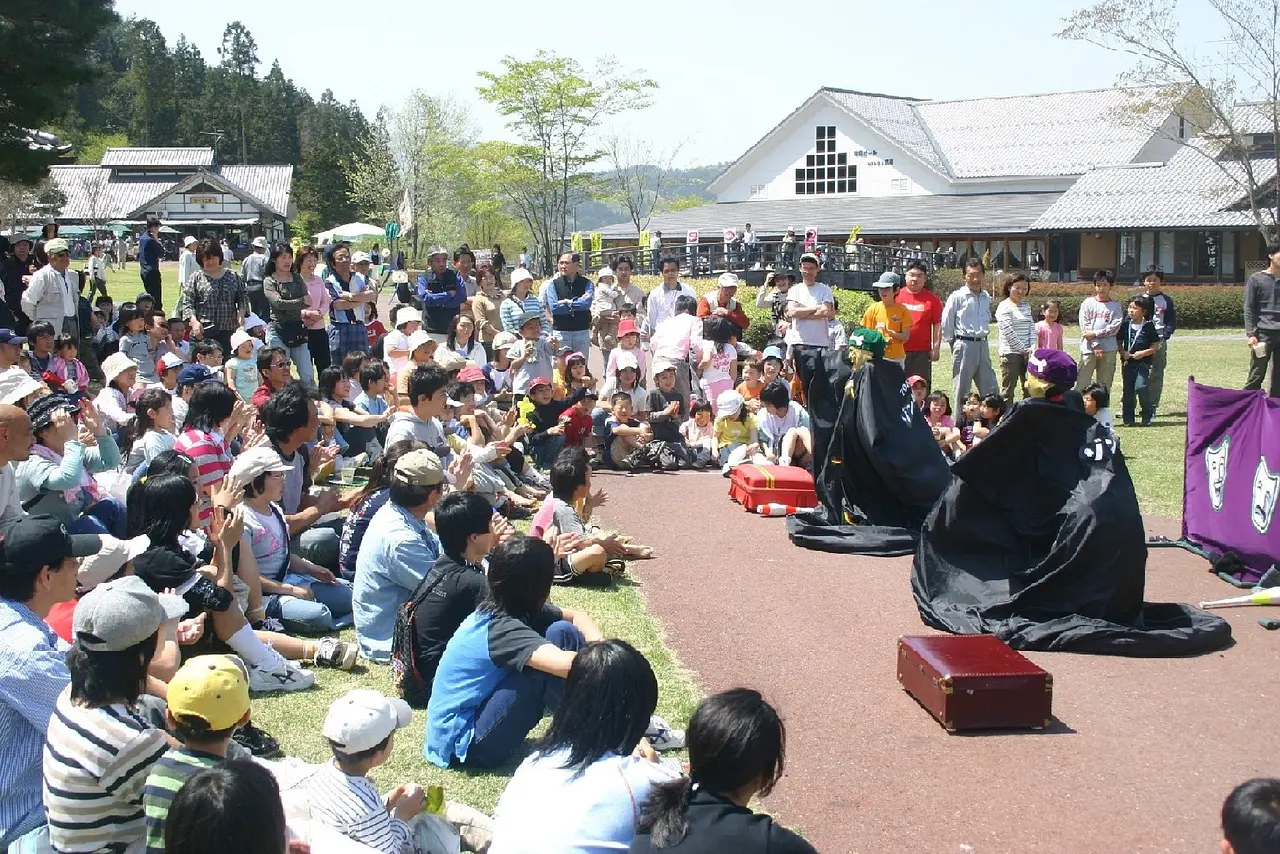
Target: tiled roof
{"points": [[894, 118], [140, 157], [1063, 133], [1005, 213], [1190, 191], [271, 184]]}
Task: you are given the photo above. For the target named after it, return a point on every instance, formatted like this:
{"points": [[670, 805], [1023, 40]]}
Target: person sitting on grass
{"points": [[593, 774], [115, 402], [1251, 818], [208, 700], [152, 432], [422, 351], [937, 413], [919, 391], [771, 365], [452, 589], [406, 320], [398, 551], [507, 662], [231, 806], [577, 420], [368, 501], [538, 425], [273, 368], [68, 349], [623, 434], [990, 412], [668, 409], [208, 352], [783, 427], [737, 750]]}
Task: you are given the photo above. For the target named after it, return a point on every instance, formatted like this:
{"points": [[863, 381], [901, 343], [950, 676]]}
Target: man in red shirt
{"points": [[726, 305], [926, 322], [273, 367]]}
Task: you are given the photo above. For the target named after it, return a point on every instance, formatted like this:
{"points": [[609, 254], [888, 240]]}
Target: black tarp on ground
{"points": [[878, 464], [1040, 545]]}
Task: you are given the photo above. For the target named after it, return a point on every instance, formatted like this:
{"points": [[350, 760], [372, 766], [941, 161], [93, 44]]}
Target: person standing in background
{"points": [[568, 297], [925, 344], [188, 264], [655, 253], [1017, 328], [254, 270], [1100, 319], [499, 264], [149, 254], [96, 268], [1262, 323], [966, 322], [1165, 318]]}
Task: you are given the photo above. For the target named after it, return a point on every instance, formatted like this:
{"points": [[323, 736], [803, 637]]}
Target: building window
{"points": [[1184, 253], [826, 171], [1127, 254]]}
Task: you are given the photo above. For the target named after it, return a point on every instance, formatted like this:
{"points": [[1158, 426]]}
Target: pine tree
{"points": [[239, 54]]}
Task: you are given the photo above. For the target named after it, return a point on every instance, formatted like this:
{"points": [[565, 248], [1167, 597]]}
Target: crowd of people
{"points": [[264, 465]]}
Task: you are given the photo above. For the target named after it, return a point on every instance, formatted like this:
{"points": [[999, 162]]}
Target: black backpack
{"points": [[413, 688]]}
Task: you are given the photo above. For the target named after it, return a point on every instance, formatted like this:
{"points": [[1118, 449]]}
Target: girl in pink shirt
{"points": [[1049, 330]]}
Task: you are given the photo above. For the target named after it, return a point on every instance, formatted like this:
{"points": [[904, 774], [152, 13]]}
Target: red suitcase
{"points": [[971, 682], [752, 486]]}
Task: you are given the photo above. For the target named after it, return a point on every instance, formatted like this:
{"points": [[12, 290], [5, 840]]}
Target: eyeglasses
{"points": [[280, 365]]}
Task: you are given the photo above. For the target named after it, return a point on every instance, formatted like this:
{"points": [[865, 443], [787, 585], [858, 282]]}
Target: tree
{"points": [[23, 203], [188, 85], [1234, 93], [376, 188], [239, 54], [330, 134], [637, 173], [44, 52], [556, 105], [147, 86], [90, 151], [273, 126]]}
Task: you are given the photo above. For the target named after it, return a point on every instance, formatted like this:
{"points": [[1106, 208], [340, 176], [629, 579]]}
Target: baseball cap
{"points": [[361, 258], [169, 361], [240, 338], [15, 384], [97, 568], [916, 378], [772, 352], [888, 279], [580, 394], [728, 280], [213, 688], [728, 404], [538, 381], [188, 240], [408, 314], [809, 256], [8, 336], [869, 340], [115, 365], [123, 612], [418, 468], [605, 272], [530, 315], [195, 373], [1052, 366], [438, 250], [260, 242], [42, 410], [627, 327], [503, 340], [252, 463], [42, 540], [624, 360], [520, 274], [470, 374], [362, 719], [56, 246], [449, 360], [660, 364], [419, 338]]}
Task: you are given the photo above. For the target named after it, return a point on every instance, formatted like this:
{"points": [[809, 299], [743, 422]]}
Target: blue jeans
{"points": [[105, 517], [518, 703], [330, 610], [579, 342], [545, 450], [300, 356], [319, 544]]}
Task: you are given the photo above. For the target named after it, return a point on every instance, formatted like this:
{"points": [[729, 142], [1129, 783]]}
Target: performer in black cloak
{"points": [[1038, 539], [878, 467]]}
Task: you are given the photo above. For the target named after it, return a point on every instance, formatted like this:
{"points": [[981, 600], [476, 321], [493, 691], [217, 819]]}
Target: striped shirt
{"points": [[96, 763], [352, 806], [513, 309], [166, 778], [212, 458], [1017, 327]]}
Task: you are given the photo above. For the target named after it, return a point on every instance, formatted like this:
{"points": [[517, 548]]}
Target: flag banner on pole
{"points": [[1233, 474]]}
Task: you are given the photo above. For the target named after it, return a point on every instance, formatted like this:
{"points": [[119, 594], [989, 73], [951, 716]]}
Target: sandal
{"points": [[615, 566]]}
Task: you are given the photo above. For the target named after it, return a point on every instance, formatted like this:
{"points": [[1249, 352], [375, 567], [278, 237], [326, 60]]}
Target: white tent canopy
{"points": [[350, 231]]}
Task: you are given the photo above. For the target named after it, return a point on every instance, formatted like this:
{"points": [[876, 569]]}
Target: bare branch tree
{"points": [[1233, 94], [637, 171]]}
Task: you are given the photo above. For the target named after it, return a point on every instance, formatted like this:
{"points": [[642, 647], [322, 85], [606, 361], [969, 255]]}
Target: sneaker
{"points": [[725, 470], [257, 742], [280, 676], [662, 737], [269, 624], [340, 655]]}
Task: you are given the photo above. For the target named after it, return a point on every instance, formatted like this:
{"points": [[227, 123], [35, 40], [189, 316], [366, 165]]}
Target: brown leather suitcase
{"points": [[971, 682]]}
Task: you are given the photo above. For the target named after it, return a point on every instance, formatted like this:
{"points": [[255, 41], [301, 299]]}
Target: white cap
{"points": [[419, 338], [170, 361], [15, 384], [188, 240], [238, 338], [728, 404], [450, 361], [660, 364], [260, 242], [254, 462], [605, 271], [360, 257], [362, 719], [728, 280], [253, 321], [114, 554], [408, 314], [115, 365], [520, 274], [625, 359]]}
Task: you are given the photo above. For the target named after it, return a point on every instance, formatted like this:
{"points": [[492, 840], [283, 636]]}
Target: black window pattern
{"points": [[827, 171]]}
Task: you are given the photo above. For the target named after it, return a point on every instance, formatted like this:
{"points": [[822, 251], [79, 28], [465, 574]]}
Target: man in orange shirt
{"points": [[726, 305], [890, 317]]}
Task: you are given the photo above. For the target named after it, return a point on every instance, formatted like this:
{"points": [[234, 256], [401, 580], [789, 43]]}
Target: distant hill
{"points": [[679, 184]]}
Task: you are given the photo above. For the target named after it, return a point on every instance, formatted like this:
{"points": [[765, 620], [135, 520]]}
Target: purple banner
{"points": [[1233, 473]]}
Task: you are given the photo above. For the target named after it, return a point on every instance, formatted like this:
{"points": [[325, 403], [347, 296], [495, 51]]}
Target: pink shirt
{"points": [[1048, 336], [212, 458], [318, 300]]}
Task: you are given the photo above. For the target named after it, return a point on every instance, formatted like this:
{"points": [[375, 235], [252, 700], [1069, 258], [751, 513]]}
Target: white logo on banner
{"points": [[1215, 464], [1266, 487]]}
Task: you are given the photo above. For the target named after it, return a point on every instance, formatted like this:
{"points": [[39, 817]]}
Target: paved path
{"points": [[1146, 750]]}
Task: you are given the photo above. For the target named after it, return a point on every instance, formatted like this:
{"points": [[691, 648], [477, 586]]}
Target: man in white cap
{"points": [[51, 296], [253, 269], [188, 264], [725, 304]]}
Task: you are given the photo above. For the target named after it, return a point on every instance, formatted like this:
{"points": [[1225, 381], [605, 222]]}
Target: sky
{"points": [[726, 74]]}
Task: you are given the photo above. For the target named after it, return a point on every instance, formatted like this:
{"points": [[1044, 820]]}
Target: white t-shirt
{"points": [[10, 506], [775, 428], [718, 369], [809, 330], [148, 447], [269, 541], [395, 340]]}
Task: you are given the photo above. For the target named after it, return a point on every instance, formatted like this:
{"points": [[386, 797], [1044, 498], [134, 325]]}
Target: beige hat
{"points": [[449, 360], [503, 340], [15, 384], [419, 338], [728, 280], [122, 613], [115, 365], [114, 554], [254, 462], [188, 240], [418, 468], [55, 246]]}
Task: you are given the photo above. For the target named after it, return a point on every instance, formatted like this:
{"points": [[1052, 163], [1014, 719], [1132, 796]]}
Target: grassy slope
{"points": [[1155, 459]]}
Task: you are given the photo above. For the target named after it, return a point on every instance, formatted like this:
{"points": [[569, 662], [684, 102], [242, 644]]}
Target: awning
{"points": [[211, 221]]}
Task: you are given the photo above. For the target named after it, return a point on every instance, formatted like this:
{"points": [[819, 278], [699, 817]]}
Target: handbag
{"points": [[292, 332]]}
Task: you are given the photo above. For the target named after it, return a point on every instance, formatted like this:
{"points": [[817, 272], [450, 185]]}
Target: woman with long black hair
{"points": [[286, 293], [737, 750], [583, 787]]}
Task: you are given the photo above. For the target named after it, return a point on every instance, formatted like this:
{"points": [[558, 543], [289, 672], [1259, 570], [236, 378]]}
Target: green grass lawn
{"points": [[1155, 460]]}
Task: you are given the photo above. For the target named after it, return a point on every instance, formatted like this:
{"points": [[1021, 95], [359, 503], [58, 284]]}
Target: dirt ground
{"points": [[1141, 757]]}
